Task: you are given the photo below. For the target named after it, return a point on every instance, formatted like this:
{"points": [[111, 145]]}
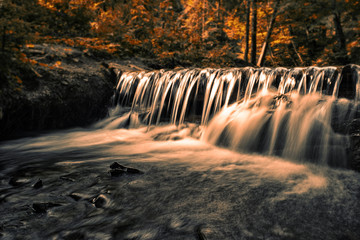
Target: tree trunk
{"points": [[294, 45], [203, 20], [339, 30], [247, 34], [3, 40], [253, 32], [268, 35]]}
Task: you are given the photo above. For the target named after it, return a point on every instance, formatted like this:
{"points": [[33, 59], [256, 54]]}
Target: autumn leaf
{"points": [[33, 62], [43, 65], [57, 64], [18, 80]]}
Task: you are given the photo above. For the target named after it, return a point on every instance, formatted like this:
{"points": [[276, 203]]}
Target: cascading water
{"points": [[293, 113]]}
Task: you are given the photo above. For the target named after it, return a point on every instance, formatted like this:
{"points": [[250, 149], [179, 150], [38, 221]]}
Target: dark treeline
{"points": [[195, 32]]}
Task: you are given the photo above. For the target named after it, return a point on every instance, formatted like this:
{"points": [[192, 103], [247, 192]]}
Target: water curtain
{"points": [[298, 113]]}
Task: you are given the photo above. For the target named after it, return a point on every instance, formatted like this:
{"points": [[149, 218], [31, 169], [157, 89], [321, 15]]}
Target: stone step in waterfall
{"points": [[306, 114]]}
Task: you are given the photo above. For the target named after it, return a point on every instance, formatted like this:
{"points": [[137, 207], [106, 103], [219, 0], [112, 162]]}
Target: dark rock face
{"points": [[116, 165], [43, 207], [118, 170], [13, 182], [354, 149], [100, 201], [38, 184], [75, 197], [67, 87], [349, 80]]}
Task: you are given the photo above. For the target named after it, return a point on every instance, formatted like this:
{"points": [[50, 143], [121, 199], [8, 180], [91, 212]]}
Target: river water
{"points": [[189, 189], [195, 182]]}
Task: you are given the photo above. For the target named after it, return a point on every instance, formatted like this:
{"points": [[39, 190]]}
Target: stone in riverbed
{"points": [[75, 196], [118, 170], [13, 182], [115, 165], [133, 171], [65, 178], [100, 201], [17, 181], [75, 236], [43, 207], [39, 207], [199, 235], [38, 184]]}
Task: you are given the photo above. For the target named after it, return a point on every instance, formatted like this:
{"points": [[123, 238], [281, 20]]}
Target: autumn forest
{"points": [[192, 32]]}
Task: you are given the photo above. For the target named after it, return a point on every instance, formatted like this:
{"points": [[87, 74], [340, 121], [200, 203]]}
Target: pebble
{"points": [[38, 184], [100, 201], [75, 197], [13, 182], [43, 207]]}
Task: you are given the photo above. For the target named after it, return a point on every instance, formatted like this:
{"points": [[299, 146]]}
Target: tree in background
{"points": [[253, 31], [20, 22], [268, 35], [247, 31], [195, 32]]}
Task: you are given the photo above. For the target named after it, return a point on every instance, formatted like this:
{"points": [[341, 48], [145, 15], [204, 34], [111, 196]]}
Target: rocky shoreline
{"points": [[63, 87]]}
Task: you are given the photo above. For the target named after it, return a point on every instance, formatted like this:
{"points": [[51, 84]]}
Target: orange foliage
{"points": [[18, 80], [196, 30], [234, 27]]}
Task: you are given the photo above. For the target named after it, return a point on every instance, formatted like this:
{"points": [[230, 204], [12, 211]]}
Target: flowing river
{"points": [[204, 154]]}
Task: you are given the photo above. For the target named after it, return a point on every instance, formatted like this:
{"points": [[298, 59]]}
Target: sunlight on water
{"points": [[171, 144], [300, 128]]}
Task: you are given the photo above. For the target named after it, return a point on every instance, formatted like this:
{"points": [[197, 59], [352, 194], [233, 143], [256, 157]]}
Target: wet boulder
{"points": [[118, 170], [116, 165], [38, 184], [349, 79], [100, 201], [43, 207], [75, 196]]}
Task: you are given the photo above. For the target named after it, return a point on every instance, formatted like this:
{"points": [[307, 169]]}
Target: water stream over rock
{"points": [[293, 113], [200, 154]]}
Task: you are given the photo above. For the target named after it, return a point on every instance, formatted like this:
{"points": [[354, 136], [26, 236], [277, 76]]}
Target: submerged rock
{"points": [[75, 196], [199, 234], [118, 170], [115, 165], [75, 236], [133, 171], [38, 184], [65, 178], [43, 207], [100, 201], [13, 182]]}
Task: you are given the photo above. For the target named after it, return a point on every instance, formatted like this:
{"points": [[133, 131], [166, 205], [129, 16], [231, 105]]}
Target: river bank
{"points": [[59, 87]]}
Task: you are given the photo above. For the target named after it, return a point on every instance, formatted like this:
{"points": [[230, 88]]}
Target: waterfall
{"points": [[299, 113]]}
